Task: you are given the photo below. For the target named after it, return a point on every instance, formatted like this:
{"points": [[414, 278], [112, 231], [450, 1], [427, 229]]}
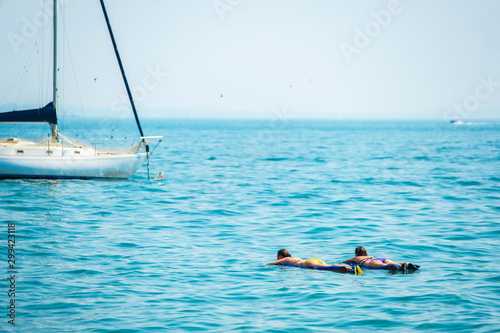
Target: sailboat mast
{"points": [[131, 99], [54, 80]]}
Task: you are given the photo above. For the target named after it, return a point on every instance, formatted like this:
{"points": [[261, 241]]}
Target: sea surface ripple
{"points": [[188, 252]]}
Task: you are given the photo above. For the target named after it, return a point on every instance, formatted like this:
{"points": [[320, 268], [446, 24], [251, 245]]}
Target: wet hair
{"points": [[360, 251], [284, 253]]}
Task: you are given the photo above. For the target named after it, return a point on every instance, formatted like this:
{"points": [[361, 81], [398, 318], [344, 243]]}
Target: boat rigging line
{"points": [[129, 93]]}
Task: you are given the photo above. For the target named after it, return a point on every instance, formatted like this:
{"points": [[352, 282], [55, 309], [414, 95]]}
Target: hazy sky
{"points": [[257, 58]]}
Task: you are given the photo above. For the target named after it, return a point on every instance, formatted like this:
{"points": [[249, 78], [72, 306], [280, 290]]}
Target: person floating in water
{"points": [[362, 258], [284, 257]]}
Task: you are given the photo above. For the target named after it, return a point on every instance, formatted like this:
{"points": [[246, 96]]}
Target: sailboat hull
{"points": [[105, 166]]}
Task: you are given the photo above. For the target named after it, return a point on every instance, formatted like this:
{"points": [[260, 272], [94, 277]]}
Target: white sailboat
{"points": [[60, 157]]}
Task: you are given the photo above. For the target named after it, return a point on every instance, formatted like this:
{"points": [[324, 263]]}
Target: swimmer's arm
{"points": [[277, 262], [351, 260]]}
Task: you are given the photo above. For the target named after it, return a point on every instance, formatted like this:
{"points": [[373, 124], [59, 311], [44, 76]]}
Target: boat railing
{"points": [[113, 145], [110, 146]]}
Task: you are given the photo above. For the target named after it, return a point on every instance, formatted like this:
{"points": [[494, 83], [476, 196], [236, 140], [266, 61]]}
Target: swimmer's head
{"points": [[284, 253], [360, 251]]}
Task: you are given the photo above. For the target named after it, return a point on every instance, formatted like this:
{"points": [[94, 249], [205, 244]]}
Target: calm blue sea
{"points": [[188, 253]]}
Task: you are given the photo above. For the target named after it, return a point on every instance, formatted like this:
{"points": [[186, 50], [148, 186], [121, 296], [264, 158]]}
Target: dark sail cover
{"points": [[45, 114]]}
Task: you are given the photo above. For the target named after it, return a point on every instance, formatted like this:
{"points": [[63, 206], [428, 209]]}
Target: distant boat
{"points": [[60, 157], [456, 122]]}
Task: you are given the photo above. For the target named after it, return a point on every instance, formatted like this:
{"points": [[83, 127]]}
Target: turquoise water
{"points": [[188, 253]]}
